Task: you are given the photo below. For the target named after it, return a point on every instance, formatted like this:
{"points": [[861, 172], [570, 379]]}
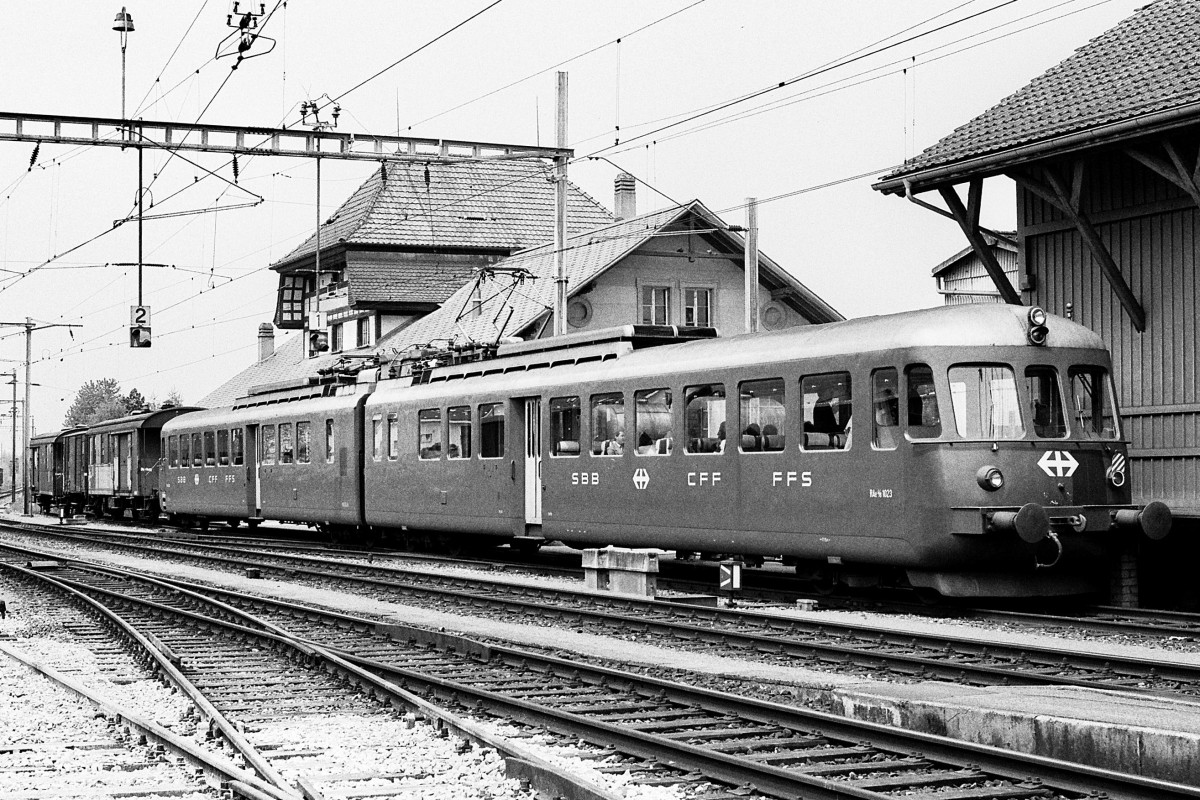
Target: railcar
{"points": [[123, 459], [973, 450], [295, 458]]}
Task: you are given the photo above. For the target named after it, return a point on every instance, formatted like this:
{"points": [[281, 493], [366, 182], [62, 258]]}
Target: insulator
{"points": [[383, 170], [426, 176], [37, 147], [235, 169]]}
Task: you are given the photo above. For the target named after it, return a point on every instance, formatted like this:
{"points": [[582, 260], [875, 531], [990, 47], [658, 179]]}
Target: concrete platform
{"points": [[1120, 731]]}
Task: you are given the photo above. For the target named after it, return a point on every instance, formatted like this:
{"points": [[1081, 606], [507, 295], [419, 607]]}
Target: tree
{"points": [[97, 401], [134, 402]]}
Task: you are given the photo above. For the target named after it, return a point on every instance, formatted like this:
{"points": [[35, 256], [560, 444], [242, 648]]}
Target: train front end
{"points": [[1030, 481]]}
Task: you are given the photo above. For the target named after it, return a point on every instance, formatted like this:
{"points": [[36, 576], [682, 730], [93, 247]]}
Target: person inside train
{"points": [[721, 438], [645, 443], [617, 446]]}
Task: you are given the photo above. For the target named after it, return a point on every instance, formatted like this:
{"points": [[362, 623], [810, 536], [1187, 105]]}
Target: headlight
{"points": [[990, 478], [1037, 316]]}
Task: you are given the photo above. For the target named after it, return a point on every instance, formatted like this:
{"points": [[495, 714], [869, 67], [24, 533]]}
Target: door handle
{"points": [[513, 465]]}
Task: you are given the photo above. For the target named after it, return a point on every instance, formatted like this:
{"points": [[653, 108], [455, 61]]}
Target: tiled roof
{"points": [[288, 362], [489, 204], [1150, 62], [408, 280], [588, 255]]}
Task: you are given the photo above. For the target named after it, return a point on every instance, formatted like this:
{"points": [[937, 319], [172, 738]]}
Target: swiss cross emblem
{"points": [[641, 478], [1058, 463]]}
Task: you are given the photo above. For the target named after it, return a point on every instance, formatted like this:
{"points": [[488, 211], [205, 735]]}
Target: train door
{"points": [[122, 445], [253, 485], [533, 461]]}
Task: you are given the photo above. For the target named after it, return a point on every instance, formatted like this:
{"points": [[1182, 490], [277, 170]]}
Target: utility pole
{"points": [[29, 327], [560, 212], [751, 264], [13, 474]]}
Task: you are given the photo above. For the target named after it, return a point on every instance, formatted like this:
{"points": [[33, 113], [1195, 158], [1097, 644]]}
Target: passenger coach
{"points": [[971, 450]]}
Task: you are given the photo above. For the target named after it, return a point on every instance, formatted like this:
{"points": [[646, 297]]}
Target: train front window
{"points": [[652, 422], [608, 424], [1045, 402], [1092, 409], [924, 419], [564, 426], [459, 419], [985, 402], [491, 430], [762, 415], [704, 417], [826, 402], [429, 436]]}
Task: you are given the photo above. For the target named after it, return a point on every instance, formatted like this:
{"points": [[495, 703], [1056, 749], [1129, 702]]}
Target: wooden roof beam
{"points": [[1054, 190], [1175, 171], [968, 219]]}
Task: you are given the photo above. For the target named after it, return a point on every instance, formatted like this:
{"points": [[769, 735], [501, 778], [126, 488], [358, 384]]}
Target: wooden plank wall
{"points": [[1151, 229]]}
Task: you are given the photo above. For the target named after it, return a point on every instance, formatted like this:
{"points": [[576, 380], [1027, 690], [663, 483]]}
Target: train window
{"points": [[210, 449], [185, 450], [608, 424], [652, 422], [885, 408], [377, 438], [924, 420], [762, 415], [1092, 410], [287, 452], [704, 418], [985, 402], [564, 426], [329, 441], [491, 430], [1045, 402], [459, 420], [173, 451], [237, 446], [393, 436], [826, 401], [268, 444], [429, 432], [223, 448], [303, 442], [197, 450]]}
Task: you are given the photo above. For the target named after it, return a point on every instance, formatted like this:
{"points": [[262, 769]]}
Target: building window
{"points": [[697, 308], [363, 326], [656, 303], [291, 301], [335, 337]]}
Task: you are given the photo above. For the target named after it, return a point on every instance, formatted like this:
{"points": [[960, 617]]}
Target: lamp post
{"points": [[123, 24]]}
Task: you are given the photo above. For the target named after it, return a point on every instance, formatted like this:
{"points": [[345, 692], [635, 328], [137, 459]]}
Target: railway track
{"points": [[711, 743], [832, 646], [759, 587], [306, 724]]}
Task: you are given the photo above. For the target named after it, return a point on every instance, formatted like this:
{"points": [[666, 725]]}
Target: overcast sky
{"points": [[864, 253]]}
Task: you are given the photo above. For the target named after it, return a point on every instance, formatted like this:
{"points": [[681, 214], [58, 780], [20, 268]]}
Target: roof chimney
{"points": [[625, 200], [266, 341]]}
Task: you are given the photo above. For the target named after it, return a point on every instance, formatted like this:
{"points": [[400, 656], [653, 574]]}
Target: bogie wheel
{"points": [[203, 523], [253, 523], [233, 523]]}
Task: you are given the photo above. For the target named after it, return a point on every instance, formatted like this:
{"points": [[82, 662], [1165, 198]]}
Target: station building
{"points": [[462, 252], [1104, 149]]}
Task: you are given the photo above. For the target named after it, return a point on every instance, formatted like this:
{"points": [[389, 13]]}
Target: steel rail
{"points": [[1024, 661], [521, 762], [723, 766]]}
